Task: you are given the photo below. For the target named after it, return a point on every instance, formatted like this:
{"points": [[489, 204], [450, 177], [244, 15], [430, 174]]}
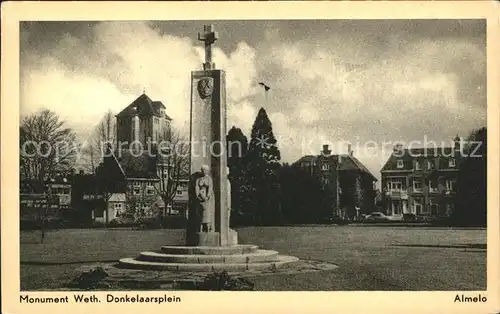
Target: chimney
{"points": [[458, 143], [349, 150], [326, 151]]}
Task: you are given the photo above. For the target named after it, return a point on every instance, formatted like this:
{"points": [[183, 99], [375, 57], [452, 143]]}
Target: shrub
{"points": [[89, 280], [218, 281], [149, 223]]}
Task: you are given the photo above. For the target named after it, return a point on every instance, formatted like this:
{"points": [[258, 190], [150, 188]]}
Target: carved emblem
{"points": [[205, 86]]}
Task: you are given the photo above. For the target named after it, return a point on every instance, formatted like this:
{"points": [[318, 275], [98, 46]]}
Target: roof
{"points": [[144, 106], [348, 163], [137, 166], [117, 197], [84, 183], [306, 158], [409, 155], [356, 165]]}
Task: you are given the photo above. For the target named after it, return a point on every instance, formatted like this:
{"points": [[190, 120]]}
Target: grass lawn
{"points": [[370, 258]]}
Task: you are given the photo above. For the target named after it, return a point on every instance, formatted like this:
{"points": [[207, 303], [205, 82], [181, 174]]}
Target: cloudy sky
{"points": [[332, 81]]}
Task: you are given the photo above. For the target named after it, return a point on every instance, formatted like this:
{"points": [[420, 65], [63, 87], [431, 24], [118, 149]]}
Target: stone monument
{"points": [[208, 147], [210, 243]]}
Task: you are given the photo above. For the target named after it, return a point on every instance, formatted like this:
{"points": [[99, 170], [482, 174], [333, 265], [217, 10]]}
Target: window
{"points": [[417, 165], [430, 164], [150, 191], [451, 185], [149, 184], [118, 205], [325, 167], [137, 183], [179, 192], [137, 190], [417, 185], [451, 163], [432, 186], [397, 185], [400, 164]]}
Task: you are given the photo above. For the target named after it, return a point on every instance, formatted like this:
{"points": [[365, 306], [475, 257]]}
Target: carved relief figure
{"points": [[204, 195]]}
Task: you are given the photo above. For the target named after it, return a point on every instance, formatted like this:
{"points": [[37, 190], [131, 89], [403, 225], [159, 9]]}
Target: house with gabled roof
{"points": [[350, 184], [421, 181]]}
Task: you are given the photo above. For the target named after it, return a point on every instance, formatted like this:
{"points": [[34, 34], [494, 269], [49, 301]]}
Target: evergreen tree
{"points": [[263, 149], [263, 167]]}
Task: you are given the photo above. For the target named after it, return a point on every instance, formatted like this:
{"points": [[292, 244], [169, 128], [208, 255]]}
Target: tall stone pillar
{"points": [[208, 146]]}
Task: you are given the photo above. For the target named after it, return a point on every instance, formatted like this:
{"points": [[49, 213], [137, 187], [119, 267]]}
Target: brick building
{"points": [[421, 181], [142, 121]]}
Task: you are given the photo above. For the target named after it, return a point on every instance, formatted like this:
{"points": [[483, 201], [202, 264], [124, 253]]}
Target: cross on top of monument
{"points": [[209, 37]]}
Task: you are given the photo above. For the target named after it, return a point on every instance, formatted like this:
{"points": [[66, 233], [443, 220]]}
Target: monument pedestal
{"points": [[232, 237], [233, 258], [208, 238]]}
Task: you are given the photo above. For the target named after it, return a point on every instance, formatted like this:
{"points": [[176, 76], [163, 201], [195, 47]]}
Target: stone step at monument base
{"points": [[253, 257], [206, 267], [210, 250]]}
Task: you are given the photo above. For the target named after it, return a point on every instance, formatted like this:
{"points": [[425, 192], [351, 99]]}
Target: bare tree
{"points": [[47, 146], [173, 163], [103, 133]]}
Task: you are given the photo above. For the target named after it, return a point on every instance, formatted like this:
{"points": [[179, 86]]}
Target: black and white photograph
{"points": [[252, 155]]}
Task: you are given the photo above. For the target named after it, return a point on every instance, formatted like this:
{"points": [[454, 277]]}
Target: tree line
{"points": [[263, 190]]}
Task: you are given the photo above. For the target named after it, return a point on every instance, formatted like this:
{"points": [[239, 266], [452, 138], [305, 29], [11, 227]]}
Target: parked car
{"points": [[377, 216], [395, 218]]}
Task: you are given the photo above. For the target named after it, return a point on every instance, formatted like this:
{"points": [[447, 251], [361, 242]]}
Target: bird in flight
{"points": [[265, 86]]}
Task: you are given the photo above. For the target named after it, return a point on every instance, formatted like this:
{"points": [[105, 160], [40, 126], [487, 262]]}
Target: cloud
{"points": [[83, 78], [329, 86], [241, 115]]}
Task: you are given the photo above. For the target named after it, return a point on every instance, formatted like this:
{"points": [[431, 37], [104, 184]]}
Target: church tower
{"points": [[142, 122]]}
